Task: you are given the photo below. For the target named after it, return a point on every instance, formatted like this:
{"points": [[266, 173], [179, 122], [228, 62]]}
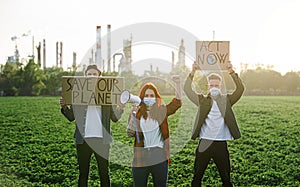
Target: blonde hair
{"points": [[214, 76]]}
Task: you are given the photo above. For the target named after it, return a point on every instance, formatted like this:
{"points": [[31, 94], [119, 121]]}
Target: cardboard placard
{"points": [[212, 55], [82, 90]]}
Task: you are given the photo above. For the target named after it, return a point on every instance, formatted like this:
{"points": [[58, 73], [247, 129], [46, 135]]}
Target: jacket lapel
{"points": [[221, 102]]}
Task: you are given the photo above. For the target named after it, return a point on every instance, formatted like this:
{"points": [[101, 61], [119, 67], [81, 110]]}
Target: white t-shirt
{"points": [[152, 134], [214, 127], [93, 123]]}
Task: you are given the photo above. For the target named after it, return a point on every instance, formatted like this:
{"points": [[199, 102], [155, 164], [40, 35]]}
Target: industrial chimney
{"points": [[98, 59], [44, 53], [108, 48]]}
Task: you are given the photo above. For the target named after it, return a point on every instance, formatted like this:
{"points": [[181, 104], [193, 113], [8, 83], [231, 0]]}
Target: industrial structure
{"points": [[125, 62]]}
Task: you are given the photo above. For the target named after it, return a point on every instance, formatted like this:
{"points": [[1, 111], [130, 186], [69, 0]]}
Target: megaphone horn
{"points": [[126, 97]]}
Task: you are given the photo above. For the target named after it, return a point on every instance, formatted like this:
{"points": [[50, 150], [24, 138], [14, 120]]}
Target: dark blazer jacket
{"points": [[225, 102], [78, 113]]}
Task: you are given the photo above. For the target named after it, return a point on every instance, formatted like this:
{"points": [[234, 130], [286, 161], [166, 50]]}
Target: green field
{"points": [[37, 146]]}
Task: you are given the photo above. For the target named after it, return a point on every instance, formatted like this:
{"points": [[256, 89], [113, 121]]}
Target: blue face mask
{"points": [[149, 101]]}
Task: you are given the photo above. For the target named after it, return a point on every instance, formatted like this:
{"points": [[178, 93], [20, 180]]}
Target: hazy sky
{"points": [[259, 31]]}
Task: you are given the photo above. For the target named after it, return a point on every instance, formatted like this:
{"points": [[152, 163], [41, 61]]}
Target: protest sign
{"points": [[212, 55], [80, 90]]}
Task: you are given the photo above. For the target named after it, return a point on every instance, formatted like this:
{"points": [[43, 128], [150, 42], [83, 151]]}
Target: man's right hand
{"points": [[62, 103], [195, 68]]}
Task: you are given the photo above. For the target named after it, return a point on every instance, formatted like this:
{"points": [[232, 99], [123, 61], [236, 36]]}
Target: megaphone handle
{"points": [[136, 128]]}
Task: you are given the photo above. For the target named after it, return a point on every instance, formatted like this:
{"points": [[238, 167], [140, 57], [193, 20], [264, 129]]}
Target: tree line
{"points": [[30, 80], [269, 82]]}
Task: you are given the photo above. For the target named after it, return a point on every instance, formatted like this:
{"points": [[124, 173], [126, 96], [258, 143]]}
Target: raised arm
{"points": [[176, 102], [194, 97], [238, 92], [178, 89]]}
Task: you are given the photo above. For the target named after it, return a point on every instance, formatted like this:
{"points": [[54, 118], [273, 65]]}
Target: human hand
{"points": [[134, 109], [176, 79], [121, 106], [62, 103], [195, 67], [229, 67], [130, 133]]}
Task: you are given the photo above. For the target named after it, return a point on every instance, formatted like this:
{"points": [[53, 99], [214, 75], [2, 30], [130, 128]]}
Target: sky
{"points": [[259, 31]]}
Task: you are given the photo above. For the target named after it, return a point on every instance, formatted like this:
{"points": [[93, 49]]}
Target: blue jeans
{"points": [[159, 174]]}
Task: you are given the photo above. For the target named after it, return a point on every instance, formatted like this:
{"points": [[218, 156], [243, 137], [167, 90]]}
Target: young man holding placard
{"points": [[92, 134], [214, 125]]}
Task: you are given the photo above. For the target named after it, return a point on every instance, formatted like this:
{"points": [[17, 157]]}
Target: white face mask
{"points": [[214, 91], [149, 101]]}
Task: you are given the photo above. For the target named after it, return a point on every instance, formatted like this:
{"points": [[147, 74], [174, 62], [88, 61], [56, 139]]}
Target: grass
{"points": [[37, 146]]}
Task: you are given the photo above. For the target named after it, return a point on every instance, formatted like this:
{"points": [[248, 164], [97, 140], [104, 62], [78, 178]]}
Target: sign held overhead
{"points": [[212, 55]]}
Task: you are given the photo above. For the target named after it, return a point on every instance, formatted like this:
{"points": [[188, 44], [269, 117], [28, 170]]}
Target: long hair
{"points": [[155, 113]]}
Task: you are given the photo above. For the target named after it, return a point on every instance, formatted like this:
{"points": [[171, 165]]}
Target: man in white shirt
{"points": [[214, 125], [92, 134]]}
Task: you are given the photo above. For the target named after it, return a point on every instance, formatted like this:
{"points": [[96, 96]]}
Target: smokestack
{"points": [[61, 52], [92, 58], [98, 59], [74, 61], [108, 48], [57, 54], [173, 60], [44, 53], [39, 55], [33, 47]]}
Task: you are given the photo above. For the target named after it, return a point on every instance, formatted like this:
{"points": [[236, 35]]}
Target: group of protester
{"points": [[214, 125]]}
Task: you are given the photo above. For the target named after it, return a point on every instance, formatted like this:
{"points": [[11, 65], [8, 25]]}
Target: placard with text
{"points": [[212, 55], [82, 90]]}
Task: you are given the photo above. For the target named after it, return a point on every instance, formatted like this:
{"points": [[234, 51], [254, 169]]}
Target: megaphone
{"points": [[127, 97]]}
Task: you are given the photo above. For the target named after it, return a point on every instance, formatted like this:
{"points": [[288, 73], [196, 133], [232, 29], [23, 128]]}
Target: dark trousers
{"points": [[159, 174], [84, 153], [216, 150]]}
